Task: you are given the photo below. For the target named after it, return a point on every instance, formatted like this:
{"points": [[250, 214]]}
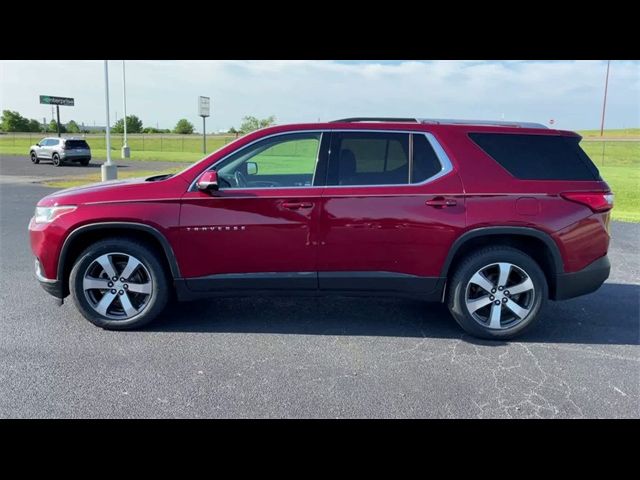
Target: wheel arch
{"points": [[535, 243], [83, 236]]}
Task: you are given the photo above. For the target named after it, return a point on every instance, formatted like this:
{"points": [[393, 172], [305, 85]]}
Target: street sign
{"points": [[50, 100], [203, 106]]}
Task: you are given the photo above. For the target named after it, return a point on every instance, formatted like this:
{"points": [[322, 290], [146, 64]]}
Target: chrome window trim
{"points": [[443, 158]]}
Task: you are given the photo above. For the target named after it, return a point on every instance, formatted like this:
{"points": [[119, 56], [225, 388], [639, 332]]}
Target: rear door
{"points": [[391, 209], [259, 231]]}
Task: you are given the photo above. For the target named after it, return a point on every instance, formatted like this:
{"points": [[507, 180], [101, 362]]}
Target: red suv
{"points": [[492, 218]]}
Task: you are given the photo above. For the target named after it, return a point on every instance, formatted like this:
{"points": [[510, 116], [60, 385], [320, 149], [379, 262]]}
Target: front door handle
{"points": [[297, 205], [441, 202]]}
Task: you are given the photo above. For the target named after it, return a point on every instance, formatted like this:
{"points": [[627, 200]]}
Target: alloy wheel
{"points": [[117, 286], [500, 295]]}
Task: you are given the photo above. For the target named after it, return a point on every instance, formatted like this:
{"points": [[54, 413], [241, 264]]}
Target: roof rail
{"points": [[450, 121], [441, 121], [376, 119]]}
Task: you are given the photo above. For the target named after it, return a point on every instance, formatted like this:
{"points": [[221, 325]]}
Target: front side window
{"points": [[281, 161]]}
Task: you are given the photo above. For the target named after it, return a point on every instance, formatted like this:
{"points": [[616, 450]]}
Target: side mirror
{"points": [[252, 168], [38, 145], [208, 181]]}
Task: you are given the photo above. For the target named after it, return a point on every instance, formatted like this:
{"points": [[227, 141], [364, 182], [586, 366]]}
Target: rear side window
{"points": [[538, 157], [370, 158], [380, 158], [76, 144]]}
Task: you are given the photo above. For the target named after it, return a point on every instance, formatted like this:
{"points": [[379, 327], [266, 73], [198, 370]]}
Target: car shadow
{"points": [[608, 316]]}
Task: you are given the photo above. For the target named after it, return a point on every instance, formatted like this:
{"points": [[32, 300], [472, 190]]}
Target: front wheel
{"points": [[119, 284], [85, 162], [497, 292], [56, 160], [34, 158]]}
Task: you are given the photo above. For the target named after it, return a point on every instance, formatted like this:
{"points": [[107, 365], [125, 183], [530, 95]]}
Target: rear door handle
{"points": [[297, 205], [441, 202]]}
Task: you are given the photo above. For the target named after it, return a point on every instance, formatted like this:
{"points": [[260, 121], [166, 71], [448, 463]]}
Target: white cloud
{"points": [[163, 91]]}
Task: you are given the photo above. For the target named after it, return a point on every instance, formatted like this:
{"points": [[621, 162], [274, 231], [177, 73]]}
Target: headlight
{"points": [[49, 214]]}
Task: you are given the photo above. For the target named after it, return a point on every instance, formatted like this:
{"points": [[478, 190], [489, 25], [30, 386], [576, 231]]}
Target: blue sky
{"points": [[161, 92]]}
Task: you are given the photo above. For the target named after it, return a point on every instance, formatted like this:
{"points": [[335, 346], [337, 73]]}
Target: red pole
{"points": [[604, 104]]}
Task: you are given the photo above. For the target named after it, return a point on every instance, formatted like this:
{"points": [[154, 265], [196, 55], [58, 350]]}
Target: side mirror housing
{"points": [[208, 182], [252, 168]]}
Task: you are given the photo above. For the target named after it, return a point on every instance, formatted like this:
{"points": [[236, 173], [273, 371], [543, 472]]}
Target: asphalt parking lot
{"points": [[19, 169], [324, 357]]}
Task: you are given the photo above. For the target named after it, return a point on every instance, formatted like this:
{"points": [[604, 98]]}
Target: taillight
{"points": [[596, 201]]}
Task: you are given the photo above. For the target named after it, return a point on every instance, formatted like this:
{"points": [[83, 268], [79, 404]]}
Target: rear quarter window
{"points": [[538, 157]]}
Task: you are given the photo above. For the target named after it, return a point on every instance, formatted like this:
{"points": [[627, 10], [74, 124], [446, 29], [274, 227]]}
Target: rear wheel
{"points": [[119, 284], [84, 162], [56, 160], [34, 158], [497, 292]]}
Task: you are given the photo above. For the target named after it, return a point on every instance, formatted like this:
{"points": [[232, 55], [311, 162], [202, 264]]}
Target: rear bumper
{"points": [[75, 156], [587, 280]]}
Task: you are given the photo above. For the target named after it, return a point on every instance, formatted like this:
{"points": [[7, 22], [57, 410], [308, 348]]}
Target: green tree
{"points": [[53, 127], [183, 126], [249, 123], [72, 127], [13, 122], [134, 125], [35, 126], [233, 130]]}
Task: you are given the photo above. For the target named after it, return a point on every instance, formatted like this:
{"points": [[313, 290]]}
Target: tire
{"points": [[142, 308], [491, 321], [34, 158], [56, 160], [85, 162]]}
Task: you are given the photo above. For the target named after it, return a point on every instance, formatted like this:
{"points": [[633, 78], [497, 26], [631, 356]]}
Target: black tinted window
{"points": [[538, 157], [76, 144], [369, 158], [425, 160]]}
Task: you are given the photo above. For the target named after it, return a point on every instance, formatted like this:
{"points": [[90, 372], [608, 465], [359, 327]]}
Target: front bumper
{"points": [[587, 280], [52, 287]]}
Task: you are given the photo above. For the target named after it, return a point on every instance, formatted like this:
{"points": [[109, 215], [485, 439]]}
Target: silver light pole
{"points": [[108, 169], [125, 148]]}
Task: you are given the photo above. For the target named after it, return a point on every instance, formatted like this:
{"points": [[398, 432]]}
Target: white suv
{"points": [[59, 150]]}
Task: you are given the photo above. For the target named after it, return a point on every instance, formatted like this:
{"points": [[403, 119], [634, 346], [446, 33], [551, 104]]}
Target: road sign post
{"points": [[57, 101], [126, 152], [204, 104]]}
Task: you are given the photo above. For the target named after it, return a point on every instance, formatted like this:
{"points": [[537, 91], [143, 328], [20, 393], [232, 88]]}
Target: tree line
{"points": [[12, 121]]}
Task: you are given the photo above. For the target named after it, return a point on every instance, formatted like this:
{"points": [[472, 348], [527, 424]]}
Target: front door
{"points": [[392, 207], [259, 231], [47, 148]]}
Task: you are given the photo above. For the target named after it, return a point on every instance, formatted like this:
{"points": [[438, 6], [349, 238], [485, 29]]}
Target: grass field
{"points": [[618, 161], [79, 180], [165, 143], [614, 133]]}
